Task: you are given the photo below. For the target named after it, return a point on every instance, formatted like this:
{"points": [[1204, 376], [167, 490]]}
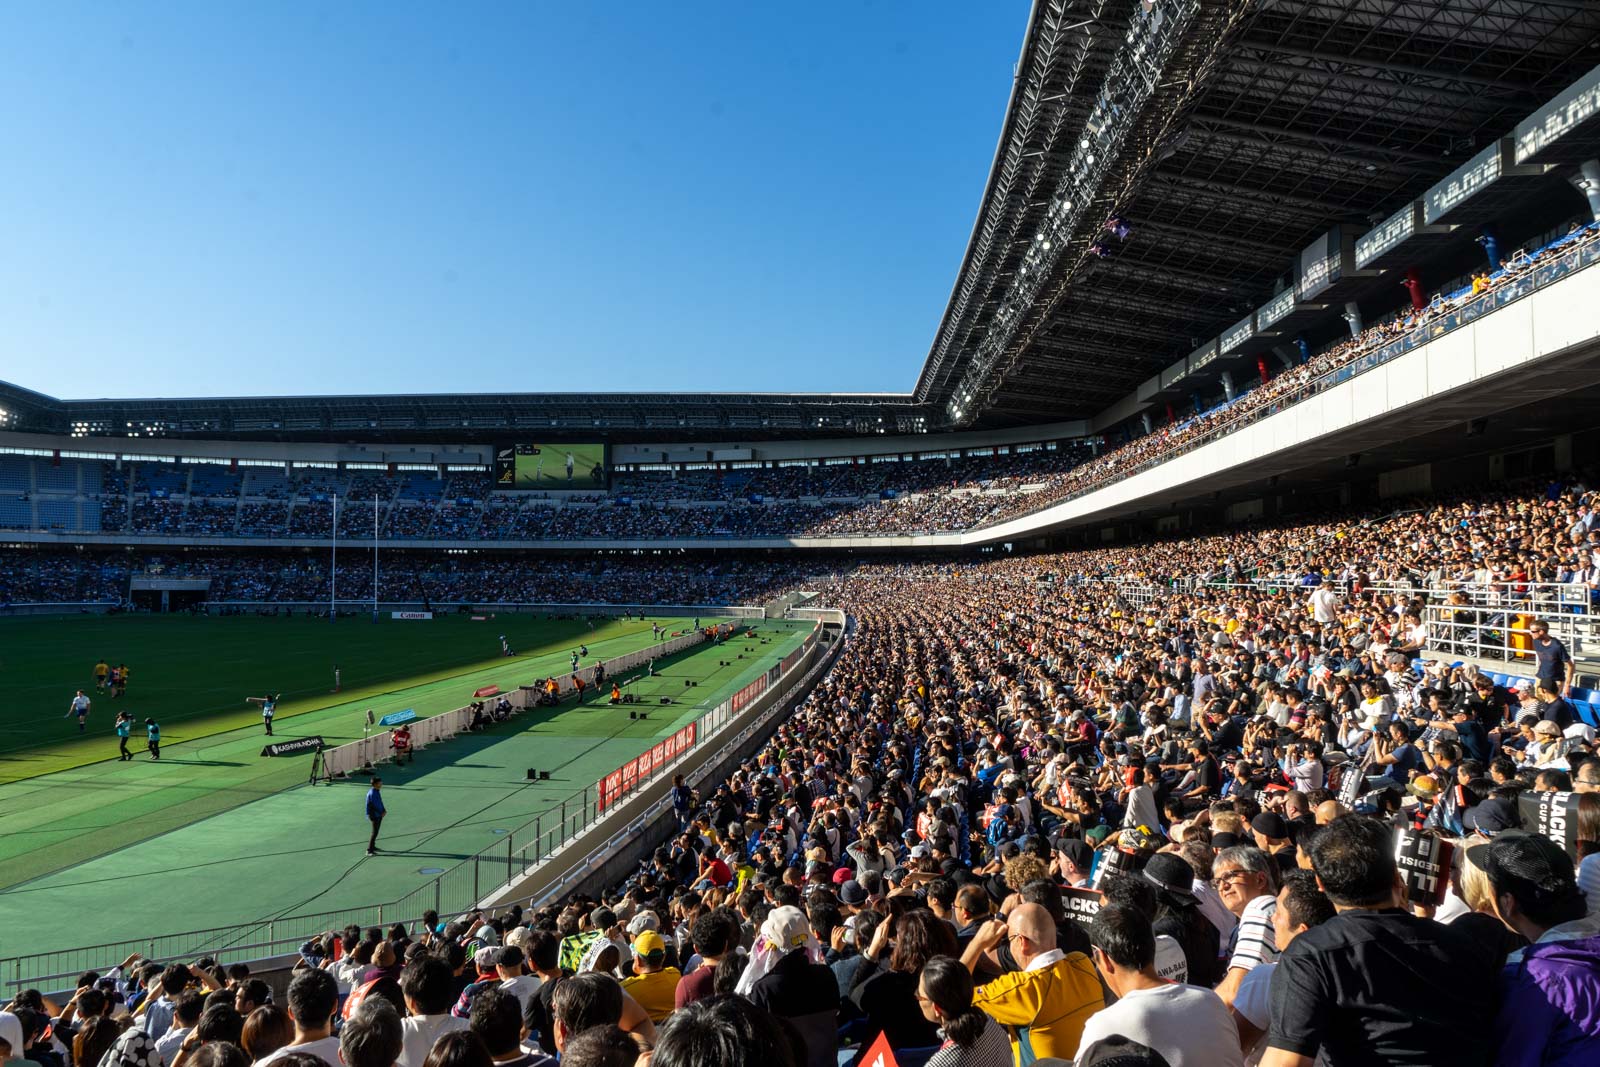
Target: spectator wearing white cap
{"points": [[786, 977]]}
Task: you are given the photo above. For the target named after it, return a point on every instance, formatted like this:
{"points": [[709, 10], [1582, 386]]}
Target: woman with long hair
{"points": [[970, 1038], [888, 999], [93, 1040], [1589, 845]]}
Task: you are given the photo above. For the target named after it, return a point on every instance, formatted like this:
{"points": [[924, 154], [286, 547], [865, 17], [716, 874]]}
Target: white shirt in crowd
{"points": [[1171, 964], [1188, 1025], [1325, 605], [167, 1046], [523, 987], [419, 1032], [325, 1049], [1253, 1002]]}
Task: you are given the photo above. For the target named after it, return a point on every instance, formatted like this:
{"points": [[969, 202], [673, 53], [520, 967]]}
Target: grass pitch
{"points": [[97, 851]]}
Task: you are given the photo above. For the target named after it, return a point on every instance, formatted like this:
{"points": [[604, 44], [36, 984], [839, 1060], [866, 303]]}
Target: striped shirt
{"points": [[1253, 941]]}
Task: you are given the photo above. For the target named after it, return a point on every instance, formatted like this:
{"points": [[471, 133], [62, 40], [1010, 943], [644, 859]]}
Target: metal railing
{"points": [[1584, 252], [1500, 630], [455, 891]]}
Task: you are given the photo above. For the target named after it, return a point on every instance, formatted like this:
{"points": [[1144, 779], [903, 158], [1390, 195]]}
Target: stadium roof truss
{"points": [[1228, 134]]}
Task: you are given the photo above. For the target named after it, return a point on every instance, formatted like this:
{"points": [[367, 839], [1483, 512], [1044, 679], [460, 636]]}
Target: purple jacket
{"points": [[1550, 1007]]}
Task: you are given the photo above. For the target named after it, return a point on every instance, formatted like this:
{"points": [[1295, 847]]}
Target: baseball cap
{"points": [[841, 876], [645, 920], [1490, 818], [485, 958], [1548, 728], [1528, 857], [649, 943], [1078, 852], [1119, 1051], [852, 893], [509, 956]]}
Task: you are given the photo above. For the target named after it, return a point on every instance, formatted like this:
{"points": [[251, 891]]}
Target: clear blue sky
{"points": [[272, 198]]}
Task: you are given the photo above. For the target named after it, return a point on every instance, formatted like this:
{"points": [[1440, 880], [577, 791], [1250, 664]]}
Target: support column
{"points": [[1198, 405], [1227, 384], [1261, 367], [1285, 356], [1587, 182], [1352, 318], [1144, 419]]}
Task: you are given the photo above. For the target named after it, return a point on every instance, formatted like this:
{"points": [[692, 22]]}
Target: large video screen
{"points": [[551, 467]]}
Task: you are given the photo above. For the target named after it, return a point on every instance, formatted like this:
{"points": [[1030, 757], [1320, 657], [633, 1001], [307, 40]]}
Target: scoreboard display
{"points": [[550, 467]]}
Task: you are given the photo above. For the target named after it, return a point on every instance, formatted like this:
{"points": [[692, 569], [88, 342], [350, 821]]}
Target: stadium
{"points": [[1252, 470]]}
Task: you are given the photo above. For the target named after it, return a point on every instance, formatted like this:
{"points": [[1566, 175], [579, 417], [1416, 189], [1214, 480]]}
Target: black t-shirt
{"points": [[1491, 710], [1387, 987], [1552, 656], [1207, 776], [1228, 736], [1557, 711]]}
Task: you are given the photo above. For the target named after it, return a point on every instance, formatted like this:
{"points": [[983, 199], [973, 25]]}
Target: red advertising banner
{"points": [[625, 779], [747, 694]]}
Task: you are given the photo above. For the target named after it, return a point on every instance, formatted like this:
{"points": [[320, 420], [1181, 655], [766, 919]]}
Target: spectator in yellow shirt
{"points": [[1045, 1004], [654, 985]]}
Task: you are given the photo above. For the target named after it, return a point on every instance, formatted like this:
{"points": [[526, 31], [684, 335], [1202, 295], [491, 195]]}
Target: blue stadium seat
{"points": [[13, 474]]}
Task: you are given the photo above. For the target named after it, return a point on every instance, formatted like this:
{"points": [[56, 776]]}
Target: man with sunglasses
{"points": [[1555, 662]]}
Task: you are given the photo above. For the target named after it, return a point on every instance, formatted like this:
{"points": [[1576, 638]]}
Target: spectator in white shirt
{"points": [[1324, 604], [185, 1014], [428, 986], [313, 996], [1186, 1024], [1246, 879]]}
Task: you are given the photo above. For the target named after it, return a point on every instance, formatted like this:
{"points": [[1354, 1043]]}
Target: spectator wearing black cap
{"points": [[1179, 917], [1074, 861], [1376, 984], [1271, 832], [1550, 991]]}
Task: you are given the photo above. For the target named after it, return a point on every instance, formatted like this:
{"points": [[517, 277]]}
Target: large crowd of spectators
{"points": [[1289, 387], [1253, 816]]}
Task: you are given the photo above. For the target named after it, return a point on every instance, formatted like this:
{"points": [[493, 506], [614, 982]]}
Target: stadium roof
{"points": [[470, 417], [1229, 135]]}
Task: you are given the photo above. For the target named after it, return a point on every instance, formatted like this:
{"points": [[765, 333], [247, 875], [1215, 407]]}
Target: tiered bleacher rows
{"points": [[206, 500], [1028, 815], [901, 497]]}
